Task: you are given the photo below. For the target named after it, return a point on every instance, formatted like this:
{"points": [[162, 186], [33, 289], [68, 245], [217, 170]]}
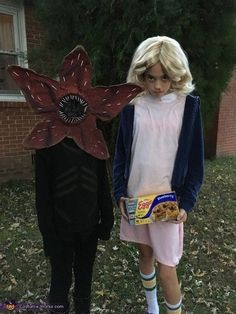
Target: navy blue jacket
{"points": [[188, 170]]}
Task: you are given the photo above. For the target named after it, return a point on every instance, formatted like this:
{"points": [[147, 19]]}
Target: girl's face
{"points": [[156, 82]]}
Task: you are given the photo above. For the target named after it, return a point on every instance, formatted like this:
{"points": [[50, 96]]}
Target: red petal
{"points": [[76, 69], [89, 138], [39, 90], [107, 102], [45, 134]]}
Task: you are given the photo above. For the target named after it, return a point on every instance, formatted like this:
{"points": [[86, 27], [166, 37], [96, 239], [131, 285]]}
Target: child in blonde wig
{"points": [[173, 60], [159, 149]]}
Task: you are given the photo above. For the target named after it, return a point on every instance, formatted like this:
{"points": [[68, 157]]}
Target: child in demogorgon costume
{"points": [[73, 199], [159, 149]]}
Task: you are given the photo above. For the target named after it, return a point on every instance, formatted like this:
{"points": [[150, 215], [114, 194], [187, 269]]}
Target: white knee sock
{"points": [[174, 308], [150, 287]]}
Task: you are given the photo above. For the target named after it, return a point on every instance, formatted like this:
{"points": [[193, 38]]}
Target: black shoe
{"points": [[82, 305]]}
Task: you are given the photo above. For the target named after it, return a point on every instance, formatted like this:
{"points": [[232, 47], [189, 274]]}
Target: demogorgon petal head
{"points": [[70, 106]]}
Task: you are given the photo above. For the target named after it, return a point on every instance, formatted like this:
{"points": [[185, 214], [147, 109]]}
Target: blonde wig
{"points": [[172, 58]]}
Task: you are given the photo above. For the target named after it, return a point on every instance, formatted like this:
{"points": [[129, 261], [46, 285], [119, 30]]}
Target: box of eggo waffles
{"points": [[150, 208]]}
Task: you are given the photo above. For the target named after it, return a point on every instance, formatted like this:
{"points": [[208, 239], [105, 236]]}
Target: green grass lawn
{"points": [[207, 270]]}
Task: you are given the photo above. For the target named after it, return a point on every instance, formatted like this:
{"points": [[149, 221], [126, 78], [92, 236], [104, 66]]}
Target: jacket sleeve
{"points": [[194, 176], [119, 162], [105, 204], [44, 201]]}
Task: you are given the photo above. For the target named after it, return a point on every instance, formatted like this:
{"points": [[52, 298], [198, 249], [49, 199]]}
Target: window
{"points": [[12, 46]]}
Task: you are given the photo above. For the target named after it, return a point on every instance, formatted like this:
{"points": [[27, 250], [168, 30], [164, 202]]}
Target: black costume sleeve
{"points": [[105, 204], [44, 201]]}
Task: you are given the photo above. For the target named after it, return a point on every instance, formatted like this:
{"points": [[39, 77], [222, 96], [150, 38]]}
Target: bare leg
{"points": [[146, 259], [170, 284], [148, 276]]}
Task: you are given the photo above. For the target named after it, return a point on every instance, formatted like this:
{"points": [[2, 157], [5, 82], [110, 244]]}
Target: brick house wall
{"points": [[226, 132], [17, 119]]}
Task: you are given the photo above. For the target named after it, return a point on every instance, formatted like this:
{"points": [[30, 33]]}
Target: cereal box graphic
{"points": [[151, 208]]}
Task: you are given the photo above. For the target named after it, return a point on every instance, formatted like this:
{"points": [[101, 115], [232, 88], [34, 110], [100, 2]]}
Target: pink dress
{"points": [[157, 126]]}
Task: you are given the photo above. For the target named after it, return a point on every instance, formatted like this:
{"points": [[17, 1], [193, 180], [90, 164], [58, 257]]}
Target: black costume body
{"points": [[74, 209]]}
